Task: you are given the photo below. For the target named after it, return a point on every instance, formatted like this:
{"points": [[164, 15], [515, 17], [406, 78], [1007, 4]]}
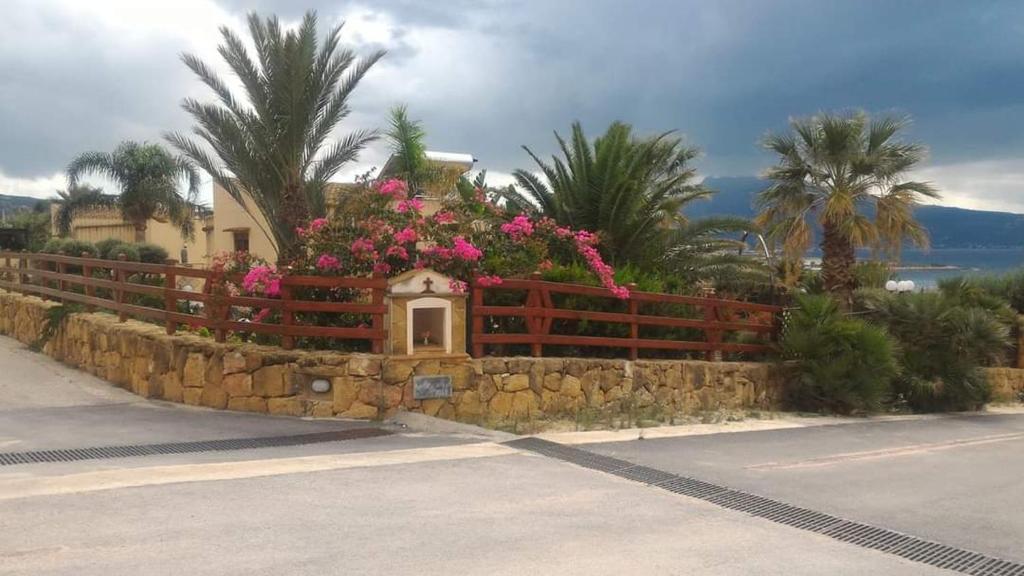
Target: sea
{"points": [[965, 261]]}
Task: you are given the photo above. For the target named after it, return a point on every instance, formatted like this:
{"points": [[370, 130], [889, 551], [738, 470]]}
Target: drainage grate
{"points": [[863, 535], [105, 452]]}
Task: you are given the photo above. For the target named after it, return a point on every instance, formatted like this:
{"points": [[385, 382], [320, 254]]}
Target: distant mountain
{"points": [[14, 203], [949, 227]]}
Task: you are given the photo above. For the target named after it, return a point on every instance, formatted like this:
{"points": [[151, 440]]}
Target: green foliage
{"points": [[631, 191], [945, 337], [405, 138], [151, 253], [37, 224], [104, 246], [872, 274], [845, 365], [147, 176], [131, 251], [53, 318], [68, 247], [1009, 287], [270, 145]]}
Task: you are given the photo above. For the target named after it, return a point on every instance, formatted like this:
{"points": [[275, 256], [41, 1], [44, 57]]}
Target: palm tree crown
{"points": [[834, 167], [148, 177], [274, 146]]}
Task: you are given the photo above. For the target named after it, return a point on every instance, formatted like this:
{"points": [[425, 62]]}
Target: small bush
{"points": [[103, 246], [79, 247], [845, 365], [130, 251], [52, 246], [945, 337], [151, 253]]}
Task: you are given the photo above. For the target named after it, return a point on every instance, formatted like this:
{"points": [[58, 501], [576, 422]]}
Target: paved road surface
{"points": [[407, 503]]}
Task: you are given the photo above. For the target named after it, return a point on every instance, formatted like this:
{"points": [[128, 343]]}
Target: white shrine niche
{"points": [[425, 316]]}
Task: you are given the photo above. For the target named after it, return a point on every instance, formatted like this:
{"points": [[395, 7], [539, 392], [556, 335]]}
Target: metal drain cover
{"points": [[105, 452]]}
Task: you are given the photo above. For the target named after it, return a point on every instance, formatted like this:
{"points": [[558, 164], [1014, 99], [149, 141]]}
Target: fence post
{"points": [[478, 320], [23, 265], [216, 307], [377, 320], [533, 301], [120, 278], [62, 268], [634, 324], [170, 300], [714, 335], [90, 290], [287, 315]]}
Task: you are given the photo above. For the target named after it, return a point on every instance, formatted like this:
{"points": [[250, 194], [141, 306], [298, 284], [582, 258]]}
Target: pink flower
{"points": [[317, 224], [545, 265], [585, 242], [519, 228], [261, 315], [362, 248], [263, 279], [414, 204], [563, 232], [457, 286], [439, 252], [382, 267], [486, 281], [300, 231], [394, 188], [406, 235], [444, 218], [328, 262], [463, 250], [398, 252]]}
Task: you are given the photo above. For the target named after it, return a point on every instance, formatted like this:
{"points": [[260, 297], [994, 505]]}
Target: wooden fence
{"points": [[538, 311], [150, 292]]}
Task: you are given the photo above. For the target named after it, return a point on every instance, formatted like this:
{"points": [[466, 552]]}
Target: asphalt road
{"points": [[956, 479], [412, 502]]}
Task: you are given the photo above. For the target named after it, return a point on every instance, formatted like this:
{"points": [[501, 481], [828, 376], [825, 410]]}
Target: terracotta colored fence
{"points": [[151, 292], [538, 311]]}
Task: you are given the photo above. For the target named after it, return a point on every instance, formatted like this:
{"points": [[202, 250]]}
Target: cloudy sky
{"points": [[488, 76]]}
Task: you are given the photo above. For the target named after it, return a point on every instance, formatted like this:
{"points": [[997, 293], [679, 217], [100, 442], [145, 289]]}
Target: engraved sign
{"points": [[427, 387]]}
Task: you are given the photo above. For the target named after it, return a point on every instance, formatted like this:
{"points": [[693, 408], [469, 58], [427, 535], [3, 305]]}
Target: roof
{"points": [[455, 159]]}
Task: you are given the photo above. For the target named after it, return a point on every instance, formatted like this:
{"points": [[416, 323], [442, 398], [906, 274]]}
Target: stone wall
{"points": [[198, 371], [1007, 384]]}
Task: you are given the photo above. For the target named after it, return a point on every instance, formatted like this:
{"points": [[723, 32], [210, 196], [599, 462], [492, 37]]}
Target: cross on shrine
{"points": [[427, 286]]}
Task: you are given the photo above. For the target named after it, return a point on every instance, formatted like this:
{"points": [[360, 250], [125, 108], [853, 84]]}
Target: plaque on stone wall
{"points": [[427, 387]]}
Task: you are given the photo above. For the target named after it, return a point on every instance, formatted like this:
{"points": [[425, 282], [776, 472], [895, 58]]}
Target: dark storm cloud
{"points": [[486, 77]]}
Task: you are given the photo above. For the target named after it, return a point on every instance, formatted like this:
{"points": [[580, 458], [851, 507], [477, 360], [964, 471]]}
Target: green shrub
{"points": [[130, 251], [52, 246], [68, 246], [103, 246], [944, 340], [844, 364], [151, 253], [1007, 287]]}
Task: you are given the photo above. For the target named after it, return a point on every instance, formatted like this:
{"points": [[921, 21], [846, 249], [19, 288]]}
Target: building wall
{"points": [[229, 215], [99, 225]]}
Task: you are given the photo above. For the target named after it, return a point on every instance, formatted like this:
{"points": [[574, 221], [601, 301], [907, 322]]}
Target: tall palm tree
{"points": [[271, 145], [148, 177], [629, 189], [834, 167], [74, 200]]}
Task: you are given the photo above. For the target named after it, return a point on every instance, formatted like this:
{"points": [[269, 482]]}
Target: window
{"points": [[241, 240]]}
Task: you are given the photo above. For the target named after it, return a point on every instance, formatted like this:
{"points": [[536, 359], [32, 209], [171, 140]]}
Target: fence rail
{"points": [[121, 287], [538, 312]]}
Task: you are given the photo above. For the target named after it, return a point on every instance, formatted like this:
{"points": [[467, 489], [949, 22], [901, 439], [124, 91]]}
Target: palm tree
{"points": [[835, 167], [272, 144], [148, 177], [631, 190], [76, 199]]}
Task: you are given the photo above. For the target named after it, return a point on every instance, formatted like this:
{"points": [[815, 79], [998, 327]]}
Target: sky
{"points": [[487, 77]]}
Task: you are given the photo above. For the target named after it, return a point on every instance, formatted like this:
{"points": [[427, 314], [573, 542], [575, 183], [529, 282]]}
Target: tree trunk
{"points": [[140, 231], [294, 213], [837, 262]]}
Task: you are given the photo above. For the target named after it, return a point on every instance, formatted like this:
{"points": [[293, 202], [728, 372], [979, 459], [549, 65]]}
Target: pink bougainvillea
{"points": [[492, 280], [519, 228], [463, 250], [265, 279], [457, 286], [317, 224], [413, 204], [381, 268], [585, 242], [327, 262], [397, 252], [393, 188], [363, 249], [407, 234], [444, 217]]}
